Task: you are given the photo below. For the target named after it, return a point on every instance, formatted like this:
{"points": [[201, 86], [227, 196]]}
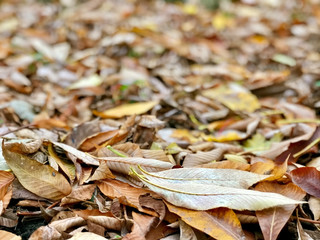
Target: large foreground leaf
{"points": [[221, 177], [40, 179], [208, 196]]}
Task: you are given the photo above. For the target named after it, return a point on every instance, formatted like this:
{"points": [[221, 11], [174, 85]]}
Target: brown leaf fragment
{"points": [[186, 232], [95, 228], [102, 172], [91, 212], [272, 220], [40, 179], [4, 235], [64, 224], [45, 233], [147, 201], [6, 178], [107, 222], [126, 194], [219, 223], [78, 194], [141, 226], [308, 178]]}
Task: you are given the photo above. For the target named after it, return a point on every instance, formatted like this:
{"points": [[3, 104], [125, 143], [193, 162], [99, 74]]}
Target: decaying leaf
{"points": [[308, 179]]}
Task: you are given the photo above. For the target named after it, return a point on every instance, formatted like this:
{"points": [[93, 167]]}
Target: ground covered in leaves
{"points": [[143, 120]]}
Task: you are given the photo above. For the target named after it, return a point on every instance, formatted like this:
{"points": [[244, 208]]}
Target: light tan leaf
{"points": [[155, 154], [221, 177], [208, 196], [127, 110], [272, 220], [4, 235], [220, 223], [314, 204], [123, 164], [227, 165], [199, 158], [23, 145], [40, 179], [85, 157], [86, 236]]}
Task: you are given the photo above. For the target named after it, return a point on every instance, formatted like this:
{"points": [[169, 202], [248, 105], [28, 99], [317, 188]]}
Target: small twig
{"points": [[306, 220]]}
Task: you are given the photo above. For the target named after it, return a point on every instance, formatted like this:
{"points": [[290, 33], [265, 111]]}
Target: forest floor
{"points": [[143, 120]]}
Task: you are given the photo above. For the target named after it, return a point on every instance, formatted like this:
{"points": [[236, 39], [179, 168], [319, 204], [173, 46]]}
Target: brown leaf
{"points": [[220, 223], [308, 178], [272, 220], [147, 201], [78, 194], [40, 179], [141, 226], [126, 194]]}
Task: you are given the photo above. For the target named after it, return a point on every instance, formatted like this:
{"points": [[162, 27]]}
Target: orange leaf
{"points": [[219, 223]]}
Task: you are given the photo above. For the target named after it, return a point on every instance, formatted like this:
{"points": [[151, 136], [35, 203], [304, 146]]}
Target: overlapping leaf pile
{"points": [[156, 120]]}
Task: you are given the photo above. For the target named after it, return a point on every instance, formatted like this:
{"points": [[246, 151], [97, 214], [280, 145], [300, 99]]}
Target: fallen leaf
{"points": [[40, 179], [127, 110], [208, 196], [141, 226], [86, 235], [220, 223], [272, 220], [308, 179]]}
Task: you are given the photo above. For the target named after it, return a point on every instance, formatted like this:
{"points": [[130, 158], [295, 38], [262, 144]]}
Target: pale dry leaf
{"points": [[123, 164], [199, 158], [85, 157], [208, 196], [221, 177], [4, 235]]}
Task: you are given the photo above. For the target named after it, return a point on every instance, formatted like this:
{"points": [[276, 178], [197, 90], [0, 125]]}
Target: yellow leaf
{"points": [[127, 110], [190, 9], [234, 97], [221, 21]]}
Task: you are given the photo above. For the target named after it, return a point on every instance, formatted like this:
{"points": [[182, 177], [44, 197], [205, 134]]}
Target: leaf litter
{"points": [[159, 119]]}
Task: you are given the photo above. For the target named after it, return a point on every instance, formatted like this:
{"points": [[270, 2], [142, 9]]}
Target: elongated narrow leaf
{"points": [[123, 164], [127, 110], [40, 179], [86, 158], [207, 196], [221, 177]]}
